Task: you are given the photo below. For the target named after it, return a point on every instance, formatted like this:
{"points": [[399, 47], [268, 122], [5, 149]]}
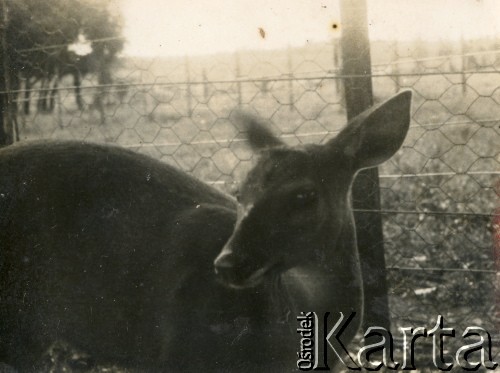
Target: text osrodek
{"points": [[317, 340]]}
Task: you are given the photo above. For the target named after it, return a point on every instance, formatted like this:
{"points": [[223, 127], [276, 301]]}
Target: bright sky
{"points": [[184, 27]]}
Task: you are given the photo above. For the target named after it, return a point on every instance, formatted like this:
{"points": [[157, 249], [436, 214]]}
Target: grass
{"points": [[446, 170]]}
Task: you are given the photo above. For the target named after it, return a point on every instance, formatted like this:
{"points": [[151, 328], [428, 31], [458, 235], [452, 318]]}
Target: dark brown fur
{"points": [[112, 253]]}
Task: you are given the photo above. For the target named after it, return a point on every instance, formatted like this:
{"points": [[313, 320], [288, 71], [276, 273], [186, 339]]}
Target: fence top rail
{"points": [[434, 58], [436, 269], [283, 78], [399, 62], [418, 212]]}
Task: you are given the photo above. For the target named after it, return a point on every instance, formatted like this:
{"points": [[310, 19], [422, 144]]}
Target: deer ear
{"points": [[258, 135], [376, 134]]}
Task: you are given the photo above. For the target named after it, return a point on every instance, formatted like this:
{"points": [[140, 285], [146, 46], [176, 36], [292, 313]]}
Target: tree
{"points": [[38, 35]]}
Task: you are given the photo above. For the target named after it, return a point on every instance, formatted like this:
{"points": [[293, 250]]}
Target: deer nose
{"points": [[228, 268], [224, 263]]}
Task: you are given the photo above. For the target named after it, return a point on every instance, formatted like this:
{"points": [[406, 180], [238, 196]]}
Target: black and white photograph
{"points": [[249, 186]]}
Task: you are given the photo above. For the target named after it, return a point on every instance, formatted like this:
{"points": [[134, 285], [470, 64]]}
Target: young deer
{"points": [[112, 253]]}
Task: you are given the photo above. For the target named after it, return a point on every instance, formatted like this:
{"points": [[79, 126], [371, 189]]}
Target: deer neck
{"points": [[332, 283]]}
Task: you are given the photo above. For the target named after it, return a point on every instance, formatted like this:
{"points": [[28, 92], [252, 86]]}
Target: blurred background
{"points": [[164, 78]]}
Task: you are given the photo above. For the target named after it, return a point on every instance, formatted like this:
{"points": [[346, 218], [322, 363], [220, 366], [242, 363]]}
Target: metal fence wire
{"points": [[439, 194]]}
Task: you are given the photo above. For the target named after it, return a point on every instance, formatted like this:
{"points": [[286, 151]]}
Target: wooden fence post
{"points": [[290, 77], [496, 257], [7, 127], [205, 85], [238, 77], [189, 94], [366, 195], [395, 66], [336, 64], [463, 50]]}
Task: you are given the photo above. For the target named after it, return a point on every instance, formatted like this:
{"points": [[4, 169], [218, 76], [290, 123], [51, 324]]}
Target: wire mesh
{"points": [[439, 193]]}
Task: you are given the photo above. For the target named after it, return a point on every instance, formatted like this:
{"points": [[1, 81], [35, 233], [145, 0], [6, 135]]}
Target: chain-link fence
{"points": [[438, 194]]}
